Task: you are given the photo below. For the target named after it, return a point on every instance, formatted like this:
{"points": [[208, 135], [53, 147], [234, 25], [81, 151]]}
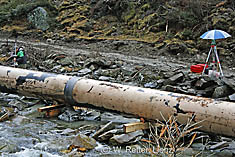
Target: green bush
{"points": [[18, 9], [11, 5]]}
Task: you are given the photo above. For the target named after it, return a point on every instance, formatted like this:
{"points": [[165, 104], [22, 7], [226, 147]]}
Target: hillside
{"points": [[168, 26]]}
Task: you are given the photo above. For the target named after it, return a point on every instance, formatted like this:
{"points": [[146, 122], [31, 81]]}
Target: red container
{"points": [[198, 68]]}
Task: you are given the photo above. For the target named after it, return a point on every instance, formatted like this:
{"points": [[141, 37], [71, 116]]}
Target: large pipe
{"points": [[217, 116]]}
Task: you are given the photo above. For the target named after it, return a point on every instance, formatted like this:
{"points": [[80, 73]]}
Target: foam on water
{"points": [[31, 153]]}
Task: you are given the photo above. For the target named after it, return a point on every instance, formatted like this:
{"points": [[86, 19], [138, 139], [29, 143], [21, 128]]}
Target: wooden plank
{"points": [[4, 117], [51, 107], [53, 113], [131, 127]]}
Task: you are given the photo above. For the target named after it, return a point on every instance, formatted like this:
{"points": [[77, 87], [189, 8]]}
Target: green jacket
{"points": [[20, 54], [213, 42]]}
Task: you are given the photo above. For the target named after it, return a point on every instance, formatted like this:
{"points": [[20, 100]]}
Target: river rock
{"points": [[108, 72], [204, 82], [222, 91], [151, 85], [104, 78], [84, 72], [116, 118], [198, 146], [97, 62], [230, 82], [9, 97], [207, 92], [129, 138], [223, 153], [160, 83], [84, 141], [17, 104], [219, 145], [173, 80], [70, 116], [66, 61], [232, 97], [56, 68], [91, 115], [176, 89], [107, 135], [39, 17], [103, 129], [32, 111], [75, 153]]}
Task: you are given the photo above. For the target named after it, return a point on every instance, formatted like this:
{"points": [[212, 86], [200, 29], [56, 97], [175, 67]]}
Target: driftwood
{"points": [[217, 116]]}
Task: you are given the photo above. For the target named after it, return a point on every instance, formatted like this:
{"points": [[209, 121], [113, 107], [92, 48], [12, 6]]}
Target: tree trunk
{"points": [[217, 116]]}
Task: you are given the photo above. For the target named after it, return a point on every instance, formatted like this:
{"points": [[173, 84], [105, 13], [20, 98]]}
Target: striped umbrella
{"points": [[215, 34]]}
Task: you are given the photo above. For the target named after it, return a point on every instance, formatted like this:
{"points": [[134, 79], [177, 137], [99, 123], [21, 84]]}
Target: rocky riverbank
{"points": [[164, 72]]}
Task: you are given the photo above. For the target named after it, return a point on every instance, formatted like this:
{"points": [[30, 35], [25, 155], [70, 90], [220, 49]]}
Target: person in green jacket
{"points": [[21, 58]]}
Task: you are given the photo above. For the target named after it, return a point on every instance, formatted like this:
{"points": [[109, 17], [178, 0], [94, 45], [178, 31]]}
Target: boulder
{"points": [[207, 92], [84, 141], [204, 82], [222, 91], [38, 18]]}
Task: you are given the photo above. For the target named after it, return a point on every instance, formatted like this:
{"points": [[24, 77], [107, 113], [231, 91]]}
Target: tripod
{"points": [[213, 48]]}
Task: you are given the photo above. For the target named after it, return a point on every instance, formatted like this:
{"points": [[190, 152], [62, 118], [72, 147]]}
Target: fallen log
{"points": [[217, 116]]}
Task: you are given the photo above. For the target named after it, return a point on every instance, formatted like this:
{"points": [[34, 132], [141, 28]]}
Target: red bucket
{"points": [[197, 68]]}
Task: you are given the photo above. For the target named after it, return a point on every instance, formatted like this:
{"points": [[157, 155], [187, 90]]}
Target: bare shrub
{"points": [[169, 138]]}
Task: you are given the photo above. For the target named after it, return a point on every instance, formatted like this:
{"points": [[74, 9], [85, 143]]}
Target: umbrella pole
{"points": [[207, 59], [218, 62]]}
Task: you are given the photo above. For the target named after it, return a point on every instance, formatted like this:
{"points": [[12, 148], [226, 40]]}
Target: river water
{"points": [[28, 133]]}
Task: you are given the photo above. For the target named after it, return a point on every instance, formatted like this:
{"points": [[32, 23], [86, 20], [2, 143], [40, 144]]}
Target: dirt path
{"points": [[163, 62], [160, 62]]}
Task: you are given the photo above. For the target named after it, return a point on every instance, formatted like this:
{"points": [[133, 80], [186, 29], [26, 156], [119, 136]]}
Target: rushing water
{"points": [[28, 133]]}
